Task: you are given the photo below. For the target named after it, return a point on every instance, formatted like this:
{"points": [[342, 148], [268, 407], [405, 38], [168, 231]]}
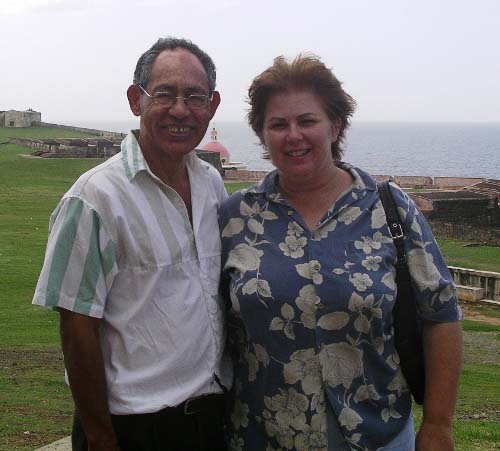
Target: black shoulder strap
{"points": [[393, 221], [407, 328]]}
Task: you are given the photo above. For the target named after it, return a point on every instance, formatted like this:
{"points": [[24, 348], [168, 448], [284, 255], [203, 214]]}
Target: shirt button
{"points": [[320, 305], [316, 266], [290, 212]]}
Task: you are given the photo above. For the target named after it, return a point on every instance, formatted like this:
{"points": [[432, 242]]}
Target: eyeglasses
{"points": [[167, 99]]}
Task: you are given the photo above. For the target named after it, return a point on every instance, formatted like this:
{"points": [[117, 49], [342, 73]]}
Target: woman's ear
{"points": [[336, 128]]}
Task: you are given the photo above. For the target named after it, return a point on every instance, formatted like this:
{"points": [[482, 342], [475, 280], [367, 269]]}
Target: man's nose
{"points": [[179, 109]]}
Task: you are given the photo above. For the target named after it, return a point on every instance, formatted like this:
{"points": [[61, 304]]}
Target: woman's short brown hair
{"points": [[305, 71]]}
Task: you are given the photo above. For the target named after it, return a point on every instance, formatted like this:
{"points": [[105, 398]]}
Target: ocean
{"points": [[410, 148]]}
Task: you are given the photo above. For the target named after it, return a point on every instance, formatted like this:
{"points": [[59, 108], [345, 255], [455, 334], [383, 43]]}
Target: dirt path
{"points": [[476, 316]]}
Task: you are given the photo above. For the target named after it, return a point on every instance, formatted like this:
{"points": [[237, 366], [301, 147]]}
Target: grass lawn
{"points": [[232, 187], [35, 404], [485, 258], [29, 190]]}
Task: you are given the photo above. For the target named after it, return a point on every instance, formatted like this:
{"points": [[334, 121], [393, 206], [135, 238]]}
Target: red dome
{"points": [[215, 146]]}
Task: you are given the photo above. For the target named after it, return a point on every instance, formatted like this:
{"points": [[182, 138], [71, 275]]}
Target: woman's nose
{"points": [[294, 133]]}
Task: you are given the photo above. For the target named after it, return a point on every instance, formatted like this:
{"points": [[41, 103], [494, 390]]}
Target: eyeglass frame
{"points": [[154, 99]]}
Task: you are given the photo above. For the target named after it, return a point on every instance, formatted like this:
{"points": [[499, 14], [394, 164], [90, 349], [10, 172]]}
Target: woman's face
{"points": [[298, 133]]}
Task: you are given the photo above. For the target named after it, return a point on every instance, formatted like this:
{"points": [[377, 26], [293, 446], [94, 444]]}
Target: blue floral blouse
{"points": [[310, 316]]}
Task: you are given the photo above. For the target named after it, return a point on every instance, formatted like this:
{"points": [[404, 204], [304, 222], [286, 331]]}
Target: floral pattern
{"points": [[310, 316]]}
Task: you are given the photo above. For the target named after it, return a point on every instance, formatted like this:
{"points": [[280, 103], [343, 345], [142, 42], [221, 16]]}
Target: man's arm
{"points": [[87, 378], [443, 363]]}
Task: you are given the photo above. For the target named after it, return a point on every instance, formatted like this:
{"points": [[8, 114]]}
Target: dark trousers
{"points": [[197, 426]]}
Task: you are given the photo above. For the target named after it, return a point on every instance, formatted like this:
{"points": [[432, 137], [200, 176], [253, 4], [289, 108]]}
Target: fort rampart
{"points": [[51, 148], [91, 131]]}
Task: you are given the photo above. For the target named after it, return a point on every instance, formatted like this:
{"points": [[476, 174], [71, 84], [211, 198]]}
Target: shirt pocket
{"points": [[371, 268]]}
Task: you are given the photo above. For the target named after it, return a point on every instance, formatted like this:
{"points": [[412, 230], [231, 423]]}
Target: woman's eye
{"points": [[277, 126]]}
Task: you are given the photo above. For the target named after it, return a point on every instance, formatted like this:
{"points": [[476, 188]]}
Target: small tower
{"points": [[215, 146]]}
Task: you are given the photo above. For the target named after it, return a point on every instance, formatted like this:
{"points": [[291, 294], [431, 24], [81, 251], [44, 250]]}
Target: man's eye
{"points": [[277, 126]]}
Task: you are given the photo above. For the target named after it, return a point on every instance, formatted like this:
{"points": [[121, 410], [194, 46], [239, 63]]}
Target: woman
{"points": [[309, 276]]}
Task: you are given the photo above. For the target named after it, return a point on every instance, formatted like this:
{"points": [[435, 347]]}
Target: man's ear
{"points": [[134, 99], [214, 104]]}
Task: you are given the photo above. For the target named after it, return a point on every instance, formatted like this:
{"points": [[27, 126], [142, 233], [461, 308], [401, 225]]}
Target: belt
{"points": [[199, 404]]}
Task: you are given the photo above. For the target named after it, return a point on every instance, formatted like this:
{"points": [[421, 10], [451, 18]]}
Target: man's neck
{"points": [[172, 171], [169, 168]]}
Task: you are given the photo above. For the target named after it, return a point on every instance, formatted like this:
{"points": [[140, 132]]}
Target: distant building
{"points": [[13, 118], [216, 147]]}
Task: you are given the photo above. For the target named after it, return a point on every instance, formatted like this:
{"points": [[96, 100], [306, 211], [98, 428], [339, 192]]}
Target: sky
{"points": [[402, 60]]}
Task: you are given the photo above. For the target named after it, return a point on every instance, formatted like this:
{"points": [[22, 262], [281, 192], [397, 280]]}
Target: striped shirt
{"points": [[121, 248]]}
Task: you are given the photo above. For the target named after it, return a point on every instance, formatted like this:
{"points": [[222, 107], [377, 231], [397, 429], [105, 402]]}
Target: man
{"points": [[132, 265]]}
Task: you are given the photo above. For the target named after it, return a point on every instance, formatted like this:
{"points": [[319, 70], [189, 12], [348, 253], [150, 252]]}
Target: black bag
{"points": [[407, 327]]}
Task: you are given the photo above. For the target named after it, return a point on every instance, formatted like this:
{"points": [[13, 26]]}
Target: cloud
{"points": [[14, 7]]}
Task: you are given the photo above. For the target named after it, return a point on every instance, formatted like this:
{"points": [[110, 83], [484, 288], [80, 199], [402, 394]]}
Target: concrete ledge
{"points": [[61, 445], [489, 302], [487, 280], [470, 294]]}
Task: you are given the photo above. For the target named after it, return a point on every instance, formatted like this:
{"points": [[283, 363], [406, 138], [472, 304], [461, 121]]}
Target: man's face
{"points": [[173, 131]]}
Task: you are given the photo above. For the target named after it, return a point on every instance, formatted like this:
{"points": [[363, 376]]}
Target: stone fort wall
{"points": [[92, 131]]}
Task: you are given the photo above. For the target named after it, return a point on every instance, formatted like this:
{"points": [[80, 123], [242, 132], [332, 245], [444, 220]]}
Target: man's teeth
{"points": [[178, 129], [297, 153]]}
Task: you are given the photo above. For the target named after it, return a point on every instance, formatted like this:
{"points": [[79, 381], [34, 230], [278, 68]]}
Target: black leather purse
{"points": [[407, 327]]}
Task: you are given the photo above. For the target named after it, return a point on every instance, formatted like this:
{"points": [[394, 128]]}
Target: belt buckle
{"points": [[186, 406]]}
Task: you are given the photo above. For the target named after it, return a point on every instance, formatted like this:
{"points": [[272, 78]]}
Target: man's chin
{"points": [[179, 149]]}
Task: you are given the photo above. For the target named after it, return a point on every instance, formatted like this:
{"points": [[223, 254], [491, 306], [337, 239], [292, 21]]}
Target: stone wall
{"points": [[212, 158], [462, 230], [487, 280], [477, 211], [407, 181], [81, 152], [243, 175], [51, 148], [454, 182], [91, 131], [473, 219]]}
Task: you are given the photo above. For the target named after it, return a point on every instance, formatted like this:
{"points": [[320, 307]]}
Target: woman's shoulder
{"points": [[233, 202], [248, 194]]}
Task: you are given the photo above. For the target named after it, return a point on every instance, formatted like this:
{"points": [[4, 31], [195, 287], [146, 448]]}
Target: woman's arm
{"points": [[443, 363]]}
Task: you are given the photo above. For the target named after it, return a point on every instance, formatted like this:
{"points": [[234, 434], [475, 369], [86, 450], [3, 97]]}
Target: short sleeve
{"points": [[432, 282], [80, 262]]}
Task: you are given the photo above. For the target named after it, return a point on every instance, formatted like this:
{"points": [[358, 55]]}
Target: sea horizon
{"points": [[454, 148]]}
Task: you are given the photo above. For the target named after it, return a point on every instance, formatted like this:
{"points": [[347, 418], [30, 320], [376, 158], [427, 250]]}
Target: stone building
{"points": [[13, 118]]}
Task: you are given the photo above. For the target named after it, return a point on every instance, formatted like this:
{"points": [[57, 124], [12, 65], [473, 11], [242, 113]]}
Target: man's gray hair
{"points": [[142, 72]]}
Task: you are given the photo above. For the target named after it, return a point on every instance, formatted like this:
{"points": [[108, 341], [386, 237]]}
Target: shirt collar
{"points": [[363, 182], [132, 157]]}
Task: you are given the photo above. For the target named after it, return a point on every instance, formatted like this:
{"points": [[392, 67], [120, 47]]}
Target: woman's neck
{"points": [[313, 197], [300, 187]]}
